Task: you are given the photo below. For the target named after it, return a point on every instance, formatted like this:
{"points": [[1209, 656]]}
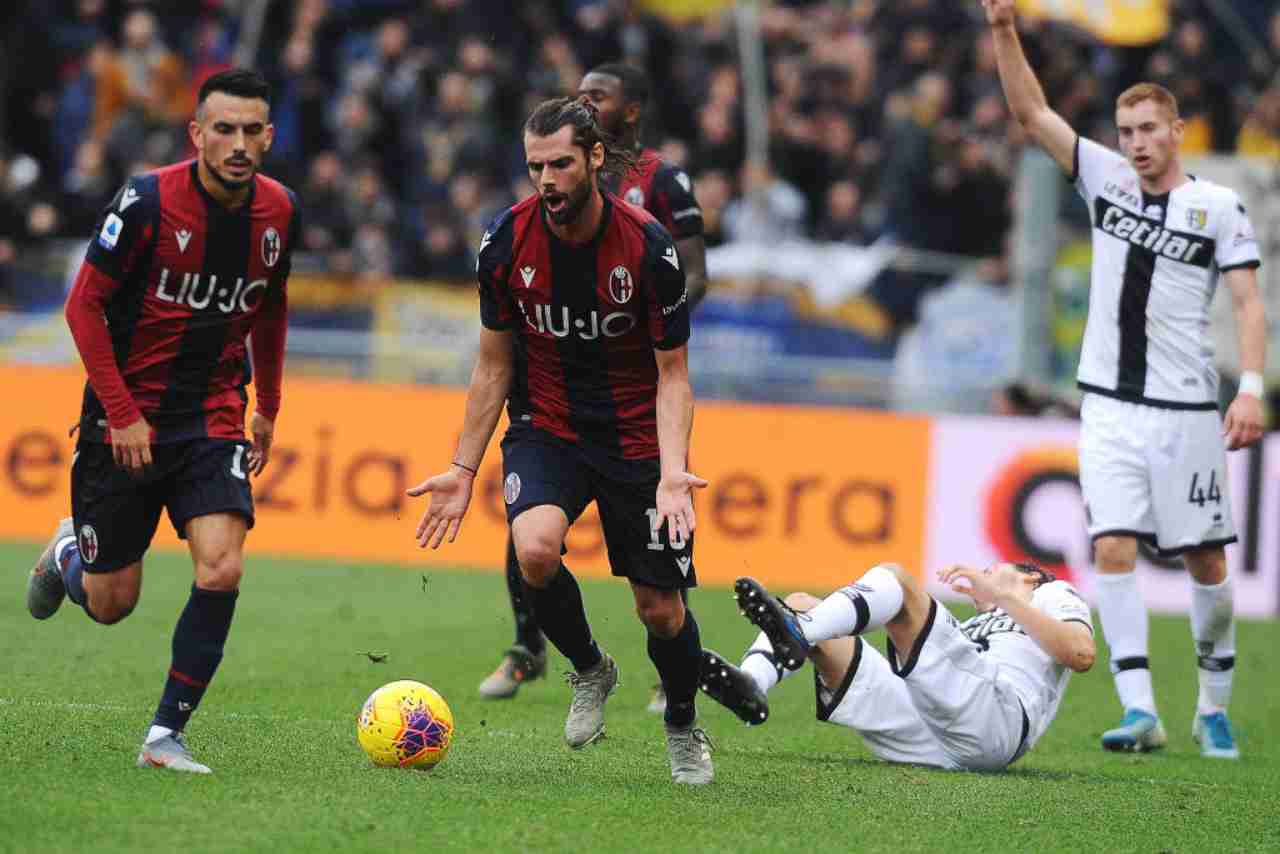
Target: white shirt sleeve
{"points": [[1237, 246], [1093, 164], [1061, 601]]}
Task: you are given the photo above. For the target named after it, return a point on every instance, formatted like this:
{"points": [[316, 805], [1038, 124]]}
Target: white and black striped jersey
{"points": [[1156, 261], [1039, 680]]}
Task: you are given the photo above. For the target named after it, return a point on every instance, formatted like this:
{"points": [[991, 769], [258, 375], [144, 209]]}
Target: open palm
{"points": [[450, 496]]}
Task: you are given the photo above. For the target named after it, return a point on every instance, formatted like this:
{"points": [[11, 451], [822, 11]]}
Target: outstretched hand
{"points": [[450, 496], [674, 501], [999, 12]]}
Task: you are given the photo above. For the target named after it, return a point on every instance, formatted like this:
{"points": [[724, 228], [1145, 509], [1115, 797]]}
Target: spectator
{"points": [[87, 188], [841, 219], [883, 116], [439, 253], [770, 210], [1260, 135], [141, 90], [326, 227]]}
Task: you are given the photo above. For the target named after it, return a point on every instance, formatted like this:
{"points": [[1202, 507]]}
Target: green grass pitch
{"points": [[277, 726]]}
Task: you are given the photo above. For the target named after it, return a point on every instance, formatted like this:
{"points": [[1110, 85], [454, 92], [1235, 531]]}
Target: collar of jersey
{"points": [[208, 197]]}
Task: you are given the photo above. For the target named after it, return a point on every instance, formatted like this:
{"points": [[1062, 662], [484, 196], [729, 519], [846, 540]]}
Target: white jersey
{"points": [[1156, 261], [1038, 680]]}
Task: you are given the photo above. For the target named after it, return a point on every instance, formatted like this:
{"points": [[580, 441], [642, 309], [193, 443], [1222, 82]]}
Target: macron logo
{"points": [[526, 273], [184, 237], [671, 257], [683, 563], [130, 196]]}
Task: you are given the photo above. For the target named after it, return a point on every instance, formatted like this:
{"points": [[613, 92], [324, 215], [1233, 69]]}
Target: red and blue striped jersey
{"points": [[182, 282], [664, 190], [586, 320]]}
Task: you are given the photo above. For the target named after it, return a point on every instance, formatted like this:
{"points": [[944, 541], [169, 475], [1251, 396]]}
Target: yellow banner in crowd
{"points": [[799, 497], [1127, 23]]}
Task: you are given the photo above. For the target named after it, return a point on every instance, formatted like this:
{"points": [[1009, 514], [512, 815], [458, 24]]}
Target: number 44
{"points": [[1198, 494]]}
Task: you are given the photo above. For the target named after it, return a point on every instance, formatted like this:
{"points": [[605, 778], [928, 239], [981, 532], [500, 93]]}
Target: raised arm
{"points": [[1022, 90]]}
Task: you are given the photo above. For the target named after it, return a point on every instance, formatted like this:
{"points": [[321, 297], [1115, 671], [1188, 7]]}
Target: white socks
{"points": [[1124, 623], [1214, 631], [157, 732], [60, 550], [758, 662], [867, 604]]}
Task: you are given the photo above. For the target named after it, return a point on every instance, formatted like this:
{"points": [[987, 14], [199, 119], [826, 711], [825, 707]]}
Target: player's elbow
{"points": [[1024, 114], [1081, 658]]}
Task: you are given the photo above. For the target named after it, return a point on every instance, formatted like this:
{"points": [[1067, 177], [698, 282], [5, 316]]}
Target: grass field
{"points": [[277, 726]]}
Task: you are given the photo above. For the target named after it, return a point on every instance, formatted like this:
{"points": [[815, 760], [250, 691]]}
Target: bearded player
{"points": [[585, 324], [620, 94]]}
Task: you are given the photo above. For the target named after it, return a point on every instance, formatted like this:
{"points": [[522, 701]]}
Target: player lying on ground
{"points": [[975, 695], [1153, 464], [189, 260]]}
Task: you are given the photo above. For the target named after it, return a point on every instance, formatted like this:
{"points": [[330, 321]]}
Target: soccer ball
{"points": [[405, 724]]}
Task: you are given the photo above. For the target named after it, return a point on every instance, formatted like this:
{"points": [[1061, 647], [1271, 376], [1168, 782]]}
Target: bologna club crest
{"points": [[88, 542], [620, 286], [270, 246]]}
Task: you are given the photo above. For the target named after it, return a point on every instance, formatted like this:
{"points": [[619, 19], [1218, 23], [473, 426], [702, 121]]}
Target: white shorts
{"points": [[1157, 474], [945, 706]]}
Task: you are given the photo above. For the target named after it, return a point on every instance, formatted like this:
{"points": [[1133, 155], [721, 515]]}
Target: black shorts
{"points": [[116, 513], [539, 468]]}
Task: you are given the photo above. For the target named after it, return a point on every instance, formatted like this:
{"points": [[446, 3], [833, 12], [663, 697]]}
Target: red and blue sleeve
{"points": [[122, 235], [665, 289]]}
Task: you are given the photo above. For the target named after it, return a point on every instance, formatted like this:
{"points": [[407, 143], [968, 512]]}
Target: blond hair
{"points": [[1140, 92]]}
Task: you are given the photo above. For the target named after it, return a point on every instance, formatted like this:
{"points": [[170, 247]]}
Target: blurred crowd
{"points": [[397, 121]]}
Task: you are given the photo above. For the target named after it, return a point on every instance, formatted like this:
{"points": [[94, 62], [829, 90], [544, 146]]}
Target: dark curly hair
{"points": [[1043, 576], [550, 116]]}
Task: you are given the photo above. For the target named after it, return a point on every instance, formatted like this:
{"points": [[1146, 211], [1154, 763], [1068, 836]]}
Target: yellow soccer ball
{"points": [[405, 724]]}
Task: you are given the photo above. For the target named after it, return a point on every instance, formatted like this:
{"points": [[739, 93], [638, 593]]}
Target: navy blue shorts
{"points": [[116, 513], [539, 468]]}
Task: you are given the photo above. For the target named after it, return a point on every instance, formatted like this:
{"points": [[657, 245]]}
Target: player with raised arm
{"points": [[977, 694], [620, 95], [585, 323], [1152, 457], [189, 262]]}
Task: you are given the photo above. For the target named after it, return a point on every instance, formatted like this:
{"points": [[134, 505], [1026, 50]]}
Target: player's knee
{"points": [[1207, 565], [799, 601], [1115, 554], [905, 578], [220, 571], [662, 615], [539, 561], [112, 607]]}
